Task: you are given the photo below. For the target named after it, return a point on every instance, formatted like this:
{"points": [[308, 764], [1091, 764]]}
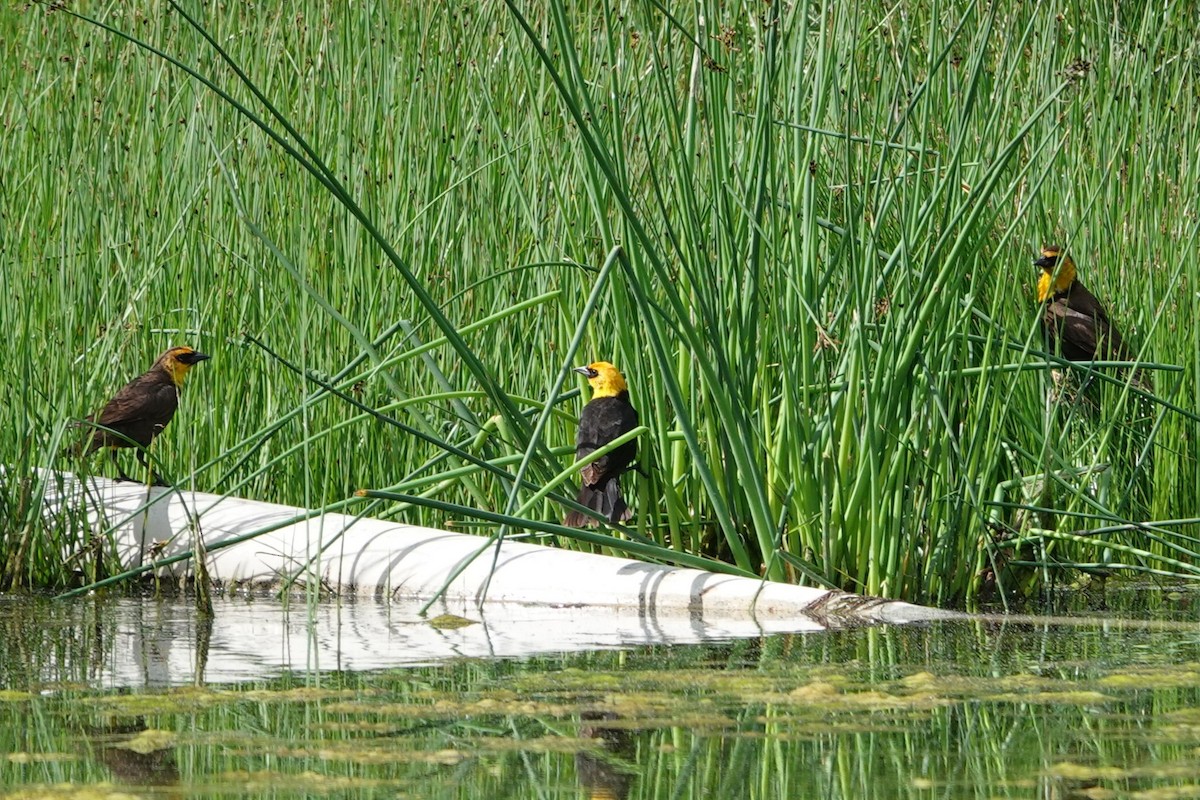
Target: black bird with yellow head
{"points": [[605, 417], [1073, 321]]}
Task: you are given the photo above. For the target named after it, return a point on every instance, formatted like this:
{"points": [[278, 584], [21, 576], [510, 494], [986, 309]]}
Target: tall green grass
{"points": [[818, 225]]}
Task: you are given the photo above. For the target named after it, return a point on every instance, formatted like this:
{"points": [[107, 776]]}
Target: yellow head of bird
{"points": [[1058, 272], [605, 379], [178, 360]]}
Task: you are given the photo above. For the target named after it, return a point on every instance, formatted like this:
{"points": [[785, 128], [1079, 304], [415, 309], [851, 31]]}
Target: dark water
{"points": [[139, 697]]}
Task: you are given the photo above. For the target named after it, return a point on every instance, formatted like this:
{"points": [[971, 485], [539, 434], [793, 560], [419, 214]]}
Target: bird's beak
{"points": [[584, 371], [198, 357], [1043, 262]]}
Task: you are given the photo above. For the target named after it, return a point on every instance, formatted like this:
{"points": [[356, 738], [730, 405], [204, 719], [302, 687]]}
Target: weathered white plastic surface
{"points": [[383, 559]]}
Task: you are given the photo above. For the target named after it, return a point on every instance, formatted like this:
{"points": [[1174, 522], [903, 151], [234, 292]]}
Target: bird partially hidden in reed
{"points": [[141, 409], [606, 416], [1072, 318]]}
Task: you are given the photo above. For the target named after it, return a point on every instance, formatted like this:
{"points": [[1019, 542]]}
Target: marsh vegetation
{"points": [[803, 232]]}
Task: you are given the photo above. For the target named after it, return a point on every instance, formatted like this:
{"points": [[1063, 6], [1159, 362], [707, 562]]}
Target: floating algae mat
{"points": [[976, 709]]}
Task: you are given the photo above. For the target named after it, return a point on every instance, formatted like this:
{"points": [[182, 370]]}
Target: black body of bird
{"points": [[606, 416]]}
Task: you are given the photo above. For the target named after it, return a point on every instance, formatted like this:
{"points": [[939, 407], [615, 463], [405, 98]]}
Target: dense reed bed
{"points": [[804, 233]]}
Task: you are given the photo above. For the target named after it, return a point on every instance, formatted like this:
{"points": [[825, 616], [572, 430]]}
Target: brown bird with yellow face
{"points": [[1072, 317], [142, 408], [607, 416]]}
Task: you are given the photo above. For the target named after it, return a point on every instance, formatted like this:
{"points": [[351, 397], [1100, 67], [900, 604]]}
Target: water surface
{"points": [[1091, 709]]}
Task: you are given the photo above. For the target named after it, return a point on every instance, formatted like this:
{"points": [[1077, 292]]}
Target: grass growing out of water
{"points": [[972, 710], [814, 227]]}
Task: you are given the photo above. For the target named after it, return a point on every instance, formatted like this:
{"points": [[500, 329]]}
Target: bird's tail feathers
{"points": [[605, 500], [90, 439]]}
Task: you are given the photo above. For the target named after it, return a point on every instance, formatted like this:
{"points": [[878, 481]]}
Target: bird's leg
{"points": [[154, 479], [121, 476]]}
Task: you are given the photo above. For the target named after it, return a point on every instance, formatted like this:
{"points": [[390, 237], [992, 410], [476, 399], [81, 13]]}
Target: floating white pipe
{"points": [[384, 559]]}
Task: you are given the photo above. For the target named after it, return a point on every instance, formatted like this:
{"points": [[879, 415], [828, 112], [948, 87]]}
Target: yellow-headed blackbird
{"points": [[142, 408], [606, 416], [1072, 316]]}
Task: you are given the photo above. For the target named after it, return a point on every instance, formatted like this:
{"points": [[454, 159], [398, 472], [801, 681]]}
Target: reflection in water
{"points": [[607, 774], [204, 630], [160, 643], [982, 709], [133, 757]]}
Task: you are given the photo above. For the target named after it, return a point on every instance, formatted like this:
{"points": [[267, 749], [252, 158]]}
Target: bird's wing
{"points": [[138, 400], [599, 424], [1085, 310]]}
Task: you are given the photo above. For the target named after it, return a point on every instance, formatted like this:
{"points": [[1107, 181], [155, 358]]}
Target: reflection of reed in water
{"points": [[204, 629], [609, 773]]}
